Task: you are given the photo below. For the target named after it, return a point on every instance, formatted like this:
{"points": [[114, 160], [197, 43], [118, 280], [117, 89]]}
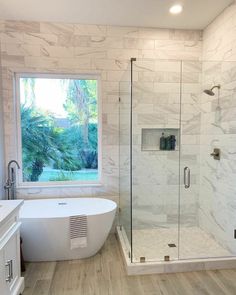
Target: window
{"points": [[59, 128]]}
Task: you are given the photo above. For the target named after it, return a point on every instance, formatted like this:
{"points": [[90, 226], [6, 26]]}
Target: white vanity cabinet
{"points": [[11, 282]]}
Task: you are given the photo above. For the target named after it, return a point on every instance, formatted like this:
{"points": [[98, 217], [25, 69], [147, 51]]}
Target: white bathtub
{"points": [[45, 227]]}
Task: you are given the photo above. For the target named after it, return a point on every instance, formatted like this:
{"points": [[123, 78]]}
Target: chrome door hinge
{"points": [[142, 259]]}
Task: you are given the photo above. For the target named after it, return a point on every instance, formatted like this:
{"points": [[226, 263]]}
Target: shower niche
{"points": [[151, 138]]}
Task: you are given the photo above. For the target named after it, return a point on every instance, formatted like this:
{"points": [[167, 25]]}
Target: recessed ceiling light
{"points": [[176, 9]]}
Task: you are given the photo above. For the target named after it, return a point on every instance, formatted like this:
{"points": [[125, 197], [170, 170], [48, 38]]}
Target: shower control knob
{"points": [[216, 154]]}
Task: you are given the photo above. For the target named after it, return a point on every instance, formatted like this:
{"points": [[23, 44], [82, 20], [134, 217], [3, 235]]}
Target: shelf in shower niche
{"points": [[150, 138]]}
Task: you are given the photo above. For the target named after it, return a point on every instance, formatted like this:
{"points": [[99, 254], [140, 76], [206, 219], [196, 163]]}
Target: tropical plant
{"points": [[41, 143], [64, 148], [81, 106]]}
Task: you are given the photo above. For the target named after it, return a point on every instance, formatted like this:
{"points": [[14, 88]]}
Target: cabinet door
{"points": [[12, 261], [4, 289]]}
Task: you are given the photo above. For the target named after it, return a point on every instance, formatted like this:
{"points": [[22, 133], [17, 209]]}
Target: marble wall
{"points": [[217, 205], [73, 48], [158, 104], [2, 162], [106, 50]]}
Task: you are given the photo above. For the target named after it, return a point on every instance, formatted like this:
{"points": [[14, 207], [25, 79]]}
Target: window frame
{"points": [[70, 183]]}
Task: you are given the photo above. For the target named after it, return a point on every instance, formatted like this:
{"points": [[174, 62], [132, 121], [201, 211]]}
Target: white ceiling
{"points": [[197, 14]]}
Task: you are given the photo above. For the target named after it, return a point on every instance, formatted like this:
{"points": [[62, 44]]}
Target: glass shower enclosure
{"points": [[175, 194]]}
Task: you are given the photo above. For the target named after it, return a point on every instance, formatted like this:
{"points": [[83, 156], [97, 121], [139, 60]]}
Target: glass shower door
{"points": [[156, 110], [190, 159]]}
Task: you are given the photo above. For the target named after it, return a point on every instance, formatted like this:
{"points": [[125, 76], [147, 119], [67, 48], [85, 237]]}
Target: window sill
{"points": [[53, 186]]}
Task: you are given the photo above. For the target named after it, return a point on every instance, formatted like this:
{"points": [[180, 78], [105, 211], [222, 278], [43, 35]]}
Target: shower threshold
{"points": [[172, 266]]}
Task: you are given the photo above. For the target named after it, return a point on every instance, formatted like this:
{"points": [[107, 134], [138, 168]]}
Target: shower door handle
{"points": [[186, 177]]}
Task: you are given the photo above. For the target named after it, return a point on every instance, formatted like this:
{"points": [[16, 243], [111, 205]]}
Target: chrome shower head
{"points": [[210, 91]]}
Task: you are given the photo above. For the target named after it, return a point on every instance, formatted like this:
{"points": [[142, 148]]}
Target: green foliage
{"points": [[68, 166], [81, 106], [69, 149], [86, 154], [81, 102], [41, 143]]}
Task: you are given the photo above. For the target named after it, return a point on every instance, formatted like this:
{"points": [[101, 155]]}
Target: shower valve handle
{"points": [[216, 154]]}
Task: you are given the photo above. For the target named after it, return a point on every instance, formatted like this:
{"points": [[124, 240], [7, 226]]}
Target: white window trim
{"points": [[50, 184]]}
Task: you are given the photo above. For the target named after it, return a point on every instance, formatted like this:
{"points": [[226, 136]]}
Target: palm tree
{"points": [[41, 143], [82, 109]]}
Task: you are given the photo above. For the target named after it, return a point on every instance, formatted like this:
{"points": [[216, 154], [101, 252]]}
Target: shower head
{"points": [[210, 91]]}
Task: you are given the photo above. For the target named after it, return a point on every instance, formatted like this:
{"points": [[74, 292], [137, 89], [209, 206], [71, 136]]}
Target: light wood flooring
{"points": [[104, 274]]}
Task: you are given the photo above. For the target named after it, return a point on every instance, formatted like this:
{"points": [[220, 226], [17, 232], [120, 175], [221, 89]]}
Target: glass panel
{"points": [[208, 121], [2, 159], [155, 159], [124, 155], [190, 157]]}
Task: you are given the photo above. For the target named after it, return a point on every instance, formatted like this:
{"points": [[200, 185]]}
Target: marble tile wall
{"points": [[74, 48], [157, 103], [106, 50], [217, 213], [2, 172]]}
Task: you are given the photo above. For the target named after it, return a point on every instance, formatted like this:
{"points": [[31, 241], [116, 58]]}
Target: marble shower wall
{"points": [[156, 107], [2, 172], [190, 142], [217, 201], [157, 104], [73, 48]]}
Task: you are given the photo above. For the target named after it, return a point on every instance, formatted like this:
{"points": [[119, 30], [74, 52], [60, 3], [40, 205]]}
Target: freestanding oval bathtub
{"points": [[46, 232]]}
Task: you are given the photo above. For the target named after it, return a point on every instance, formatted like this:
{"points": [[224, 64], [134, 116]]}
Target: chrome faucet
{"points": [[10, 183]]}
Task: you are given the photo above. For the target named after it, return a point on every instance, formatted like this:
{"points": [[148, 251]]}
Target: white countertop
{"points": [[7, 207]]}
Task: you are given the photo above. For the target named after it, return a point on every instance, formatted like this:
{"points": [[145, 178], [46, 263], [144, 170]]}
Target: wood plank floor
{"points": [[104, 274]]}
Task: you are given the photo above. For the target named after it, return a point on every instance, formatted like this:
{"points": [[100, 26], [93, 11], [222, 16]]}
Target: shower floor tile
{"points": [[154, 244]]}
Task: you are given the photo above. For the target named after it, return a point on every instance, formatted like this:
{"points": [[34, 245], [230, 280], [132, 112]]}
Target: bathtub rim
{"points": [[53, 216]]}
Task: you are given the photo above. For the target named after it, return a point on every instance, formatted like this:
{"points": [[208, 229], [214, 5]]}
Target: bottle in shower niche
{"points": [[168, 143], [162, 142], [172, 142]]}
